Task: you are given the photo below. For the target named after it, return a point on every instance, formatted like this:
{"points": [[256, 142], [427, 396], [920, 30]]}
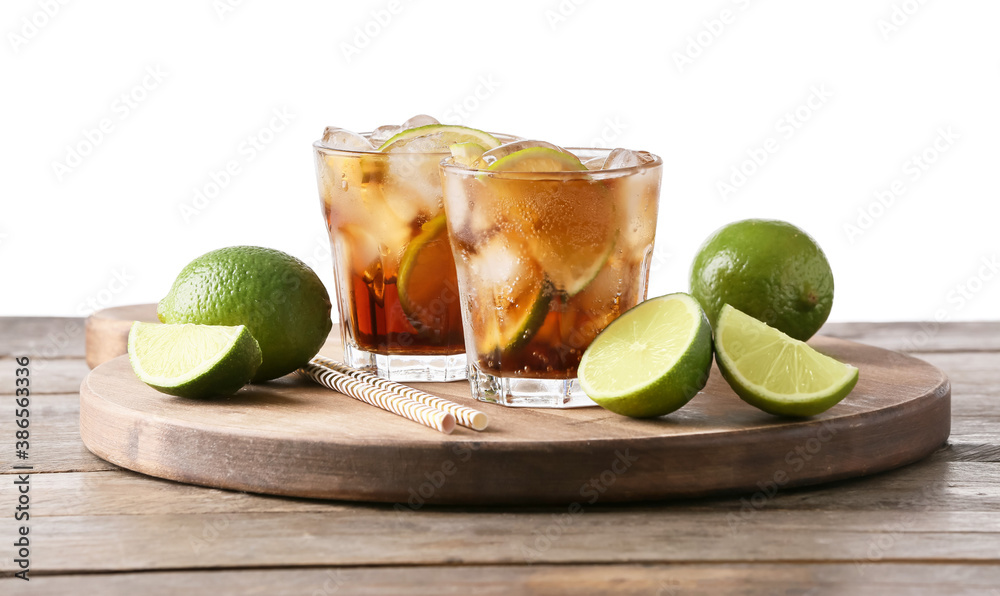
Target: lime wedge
{"points": [[572, 245], [421, 294], [467, 154], [189, 360], [538, 159], [776, 373], [509, 295], [651, 360], [436, 138]]}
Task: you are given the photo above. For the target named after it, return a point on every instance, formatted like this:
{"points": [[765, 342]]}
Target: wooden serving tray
{"points": [[291, 437]]}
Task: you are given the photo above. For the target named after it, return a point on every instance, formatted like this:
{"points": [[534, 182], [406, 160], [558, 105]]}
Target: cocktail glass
{"points": [[545, 261], [395, 275]]}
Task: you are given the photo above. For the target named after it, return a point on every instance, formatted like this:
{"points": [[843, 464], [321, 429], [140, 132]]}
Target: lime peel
{"points": [[777, 373], [189, 360], [445, 135]]}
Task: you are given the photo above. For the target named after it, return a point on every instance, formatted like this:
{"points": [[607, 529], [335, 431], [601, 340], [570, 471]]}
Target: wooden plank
{"points": [[62, 375], [927, 486], [655, 580], [55, 444], [42, 337], [916, 337], [377, 535]]}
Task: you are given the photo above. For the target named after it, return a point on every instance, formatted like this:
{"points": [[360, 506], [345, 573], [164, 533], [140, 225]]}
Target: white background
{"points": [[697, 85]]}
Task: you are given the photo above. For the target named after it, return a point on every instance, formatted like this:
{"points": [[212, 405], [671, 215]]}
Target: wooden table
{"points": [[931, 527]]}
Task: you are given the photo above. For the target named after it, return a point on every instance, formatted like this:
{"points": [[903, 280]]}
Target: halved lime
{"points": [[776, 373], [436, 138], [423, 267], [651, 360], [190, 360]]}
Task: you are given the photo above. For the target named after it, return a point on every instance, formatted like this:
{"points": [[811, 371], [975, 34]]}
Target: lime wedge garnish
{"points": [[509, 296], [436, 138], [467, 154], [651, 360], [193, 360], [571, 245], [538, 159], [420, 275], [775, 372]]}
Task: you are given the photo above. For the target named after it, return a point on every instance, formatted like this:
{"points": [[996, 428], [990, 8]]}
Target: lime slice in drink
{"points": [[509, 295], [536, 157], [436, 138], [190, 360], [568, 223], [774, 372], [467, 154], [651, 360], [426, 304]]}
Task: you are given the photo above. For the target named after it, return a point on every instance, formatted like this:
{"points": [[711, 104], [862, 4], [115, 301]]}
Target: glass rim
{"points": [[317, 145], [448, 165]]}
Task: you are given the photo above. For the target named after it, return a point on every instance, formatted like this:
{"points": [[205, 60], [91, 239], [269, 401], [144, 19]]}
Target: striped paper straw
{"points": [[465, 416], [397, 404]]}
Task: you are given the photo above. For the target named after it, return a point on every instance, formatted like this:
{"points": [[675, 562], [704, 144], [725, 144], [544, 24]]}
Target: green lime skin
{"points": [[671, 389], [790, 409], [227, 376], [279, 298], [770, 270]]}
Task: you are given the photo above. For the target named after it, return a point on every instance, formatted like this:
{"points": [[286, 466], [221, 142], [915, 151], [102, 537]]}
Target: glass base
{"points": [[406, 367], [527, 393]]}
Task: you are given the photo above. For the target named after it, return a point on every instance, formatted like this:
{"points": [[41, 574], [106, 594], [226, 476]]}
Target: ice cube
{"points": [[595, 163], [383, 133], [419, 120], [624, 158], [339, 138], [493, 155]]}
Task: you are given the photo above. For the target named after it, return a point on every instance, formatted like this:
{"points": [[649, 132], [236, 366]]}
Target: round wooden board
{"points": [[291, 437]]}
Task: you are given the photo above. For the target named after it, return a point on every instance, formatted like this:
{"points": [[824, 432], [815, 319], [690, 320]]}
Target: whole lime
{"points": [[282, 302], [768, 269]]}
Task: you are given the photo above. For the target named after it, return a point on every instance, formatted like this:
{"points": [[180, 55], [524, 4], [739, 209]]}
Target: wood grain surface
{"points": [[932, 527], [292, 437]]}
